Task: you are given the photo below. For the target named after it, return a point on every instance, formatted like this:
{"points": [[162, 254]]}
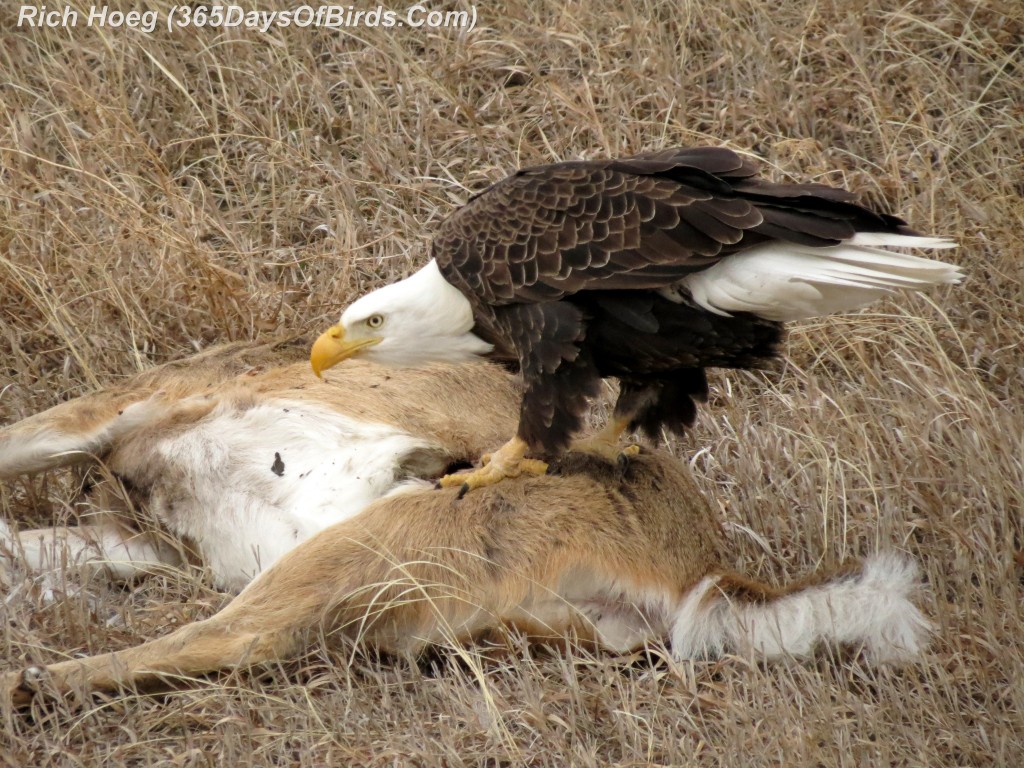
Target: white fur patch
{"points": [[623, 615], [248, 485], [872, 608], [87, 549]]}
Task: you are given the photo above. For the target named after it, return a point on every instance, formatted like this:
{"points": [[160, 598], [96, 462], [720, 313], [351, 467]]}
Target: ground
{"points": [[165, 191]]}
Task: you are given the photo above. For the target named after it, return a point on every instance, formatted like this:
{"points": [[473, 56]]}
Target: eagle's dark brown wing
{"points": [[635, 223]]}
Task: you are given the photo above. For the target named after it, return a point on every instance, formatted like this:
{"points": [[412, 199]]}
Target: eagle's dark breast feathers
{"points": [[561, 261]]}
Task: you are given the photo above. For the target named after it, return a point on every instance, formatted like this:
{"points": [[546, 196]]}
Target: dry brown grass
{"points": [[162, 193]]}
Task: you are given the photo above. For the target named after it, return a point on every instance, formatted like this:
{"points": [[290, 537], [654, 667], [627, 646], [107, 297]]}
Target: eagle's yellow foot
{"points": [[507, 461], [606, 443]]}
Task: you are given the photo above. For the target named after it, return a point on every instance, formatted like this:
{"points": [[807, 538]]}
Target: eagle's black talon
{"points": [[463, 490], [437, 485]]}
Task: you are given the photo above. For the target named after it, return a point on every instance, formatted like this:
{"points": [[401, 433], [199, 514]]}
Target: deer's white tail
{"points": [[869, 606]]}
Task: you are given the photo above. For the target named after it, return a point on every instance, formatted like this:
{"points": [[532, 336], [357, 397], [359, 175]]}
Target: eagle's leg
{"points": [[606, 443], [508, 461]]}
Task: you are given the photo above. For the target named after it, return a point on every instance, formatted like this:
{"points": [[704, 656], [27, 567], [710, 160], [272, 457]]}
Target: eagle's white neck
{"points": [[426, 319]]}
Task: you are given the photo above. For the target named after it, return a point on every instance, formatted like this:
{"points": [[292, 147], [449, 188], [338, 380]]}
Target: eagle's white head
{"points": [[418, 320]]}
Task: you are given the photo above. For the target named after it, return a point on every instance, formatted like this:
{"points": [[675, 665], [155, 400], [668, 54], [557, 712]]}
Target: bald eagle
{"points": [[648, 268]]}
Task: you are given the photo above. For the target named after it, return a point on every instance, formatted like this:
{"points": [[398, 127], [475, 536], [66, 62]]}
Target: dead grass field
{"points": [[166, 192]]}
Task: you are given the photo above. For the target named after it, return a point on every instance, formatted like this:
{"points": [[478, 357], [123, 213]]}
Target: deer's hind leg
{"points": [[331, 581]]}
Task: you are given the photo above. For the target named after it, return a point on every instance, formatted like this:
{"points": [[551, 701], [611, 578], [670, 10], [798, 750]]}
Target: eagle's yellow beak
{"points": [[331, 348]]}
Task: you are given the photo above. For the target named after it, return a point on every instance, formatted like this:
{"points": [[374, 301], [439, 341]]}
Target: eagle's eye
{"points": [[375, 321]]}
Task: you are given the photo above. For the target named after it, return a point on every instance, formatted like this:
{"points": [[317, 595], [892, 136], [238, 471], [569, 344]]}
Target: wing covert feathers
{"points": [[642, 222]]}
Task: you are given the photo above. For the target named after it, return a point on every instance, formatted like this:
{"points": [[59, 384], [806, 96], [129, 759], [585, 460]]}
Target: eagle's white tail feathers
{"points": [[890, 240], [783, 281], [871, 607]]}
